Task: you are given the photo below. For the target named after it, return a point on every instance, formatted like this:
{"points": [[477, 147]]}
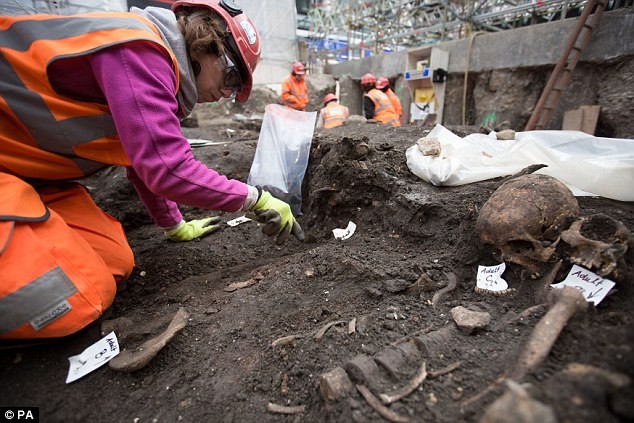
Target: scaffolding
{"points": [[350, 29]]}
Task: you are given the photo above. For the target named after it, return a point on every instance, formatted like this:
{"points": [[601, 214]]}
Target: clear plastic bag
{"points": [[281, 156]]}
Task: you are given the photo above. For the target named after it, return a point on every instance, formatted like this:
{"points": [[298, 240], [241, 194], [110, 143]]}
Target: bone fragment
{"points": [[284, 384], [334, 384], [536, 309], [131, 360], [282, 409], [517, 406], [392, 360], [599, 244], [451, 285], [410, 351], [447, 369], [385, 412], [566, 302], [352, 326], [258, 275], [128, 332], [548, 280], [240, 285], [435, 342], [286, 340], [423, 284], [475, 399], [612, 380], [115, 325], [321, 332], [499, 293], [363, 369], [411, 386]]}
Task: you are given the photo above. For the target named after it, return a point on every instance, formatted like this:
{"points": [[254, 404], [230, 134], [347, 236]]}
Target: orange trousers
{"points": [[59, 274]]}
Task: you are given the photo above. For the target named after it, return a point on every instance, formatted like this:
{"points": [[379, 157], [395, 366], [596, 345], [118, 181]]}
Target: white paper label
{"points": [[490, 278], [593, 287], [238, 220], [343, 234], [93, 357]]}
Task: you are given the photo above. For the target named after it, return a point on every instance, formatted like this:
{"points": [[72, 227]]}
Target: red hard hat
{"points": [[368, 78], [329, 97], [244, 39], [382, 82], [298, 68]]}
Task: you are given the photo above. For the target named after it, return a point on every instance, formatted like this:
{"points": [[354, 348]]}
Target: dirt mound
{"points": [[376, 305]]}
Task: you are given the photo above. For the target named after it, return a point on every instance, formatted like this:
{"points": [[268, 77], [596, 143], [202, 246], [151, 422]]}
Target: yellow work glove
{"points": [[187, 231], [277, 218]]}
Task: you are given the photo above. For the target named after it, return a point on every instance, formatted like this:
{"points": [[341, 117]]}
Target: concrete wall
{"points": [[508, 70], [276, 23]]}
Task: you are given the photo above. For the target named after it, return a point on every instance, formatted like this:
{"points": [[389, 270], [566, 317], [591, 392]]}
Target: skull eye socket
{"points": [[519, 246], [599, 227]]}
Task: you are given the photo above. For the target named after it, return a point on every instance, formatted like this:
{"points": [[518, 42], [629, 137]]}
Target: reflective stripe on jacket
{"points": [[396, 102], [383, 109], [294, 93], [334, 114], [44, 134]]}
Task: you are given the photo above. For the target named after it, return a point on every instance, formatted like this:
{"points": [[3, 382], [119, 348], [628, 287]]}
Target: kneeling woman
{"points": [[82, 92]]}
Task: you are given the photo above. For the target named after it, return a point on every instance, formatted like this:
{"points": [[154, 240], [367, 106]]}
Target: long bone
{"points": [[565, 303]]}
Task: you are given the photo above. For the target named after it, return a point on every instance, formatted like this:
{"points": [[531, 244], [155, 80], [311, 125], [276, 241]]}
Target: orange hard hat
{"points": [[382, 82], [329, 97], [244, 38], [368, 78], [298, 68]]}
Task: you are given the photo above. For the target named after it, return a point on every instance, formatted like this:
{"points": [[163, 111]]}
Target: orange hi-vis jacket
{"points": [[60, 255], [383, 109], [294, 93], [70, 138], [334, 114], [396, 102]]}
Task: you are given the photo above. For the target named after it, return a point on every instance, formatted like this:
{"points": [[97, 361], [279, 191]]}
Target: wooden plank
{"points": [[572, 120], [584, 119], [590, 119]]}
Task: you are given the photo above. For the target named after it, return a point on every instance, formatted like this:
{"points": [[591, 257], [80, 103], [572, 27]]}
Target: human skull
{"points": [[523, 219], [599, 244]]}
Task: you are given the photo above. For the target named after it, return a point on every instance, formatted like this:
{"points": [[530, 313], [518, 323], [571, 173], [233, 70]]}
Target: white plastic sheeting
{"points": [[588, 165]]}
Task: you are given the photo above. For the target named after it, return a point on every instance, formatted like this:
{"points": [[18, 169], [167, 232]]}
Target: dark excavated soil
{"points": [[223, 368]]}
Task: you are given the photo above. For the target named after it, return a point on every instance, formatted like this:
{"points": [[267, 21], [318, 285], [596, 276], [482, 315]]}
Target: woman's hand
{"points": [[277, 218], [187, 231]]}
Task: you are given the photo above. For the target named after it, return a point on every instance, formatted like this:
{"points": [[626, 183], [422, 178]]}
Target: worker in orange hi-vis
{"points": [[376, 104], [294, 91], [383, 84], [332, 114], [80, 93]]}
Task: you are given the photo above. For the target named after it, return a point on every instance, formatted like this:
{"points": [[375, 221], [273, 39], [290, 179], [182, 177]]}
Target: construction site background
{"points": [[500, 53]]}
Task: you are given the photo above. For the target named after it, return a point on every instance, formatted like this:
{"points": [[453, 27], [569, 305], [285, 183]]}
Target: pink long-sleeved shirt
{"points": [[138, 83]]}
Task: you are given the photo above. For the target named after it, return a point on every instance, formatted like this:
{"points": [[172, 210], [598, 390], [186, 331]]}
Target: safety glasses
{"points": [[231, 79]]}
